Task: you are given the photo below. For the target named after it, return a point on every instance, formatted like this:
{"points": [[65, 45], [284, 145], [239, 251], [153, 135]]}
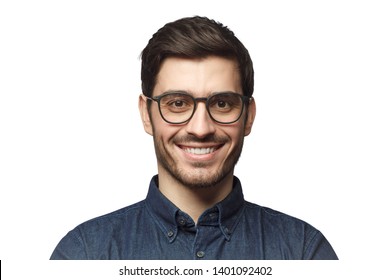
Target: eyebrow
{"points": [[189, 93]]}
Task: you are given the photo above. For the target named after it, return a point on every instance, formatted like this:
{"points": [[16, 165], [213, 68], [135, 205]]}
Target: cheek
{"points": [[163, 131], [237, 138], [235, 132]]}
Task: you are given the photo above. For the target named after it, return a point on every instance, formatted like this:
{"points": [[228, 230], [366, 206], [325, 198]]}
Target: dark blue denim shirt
{"points": [[156, 229]]}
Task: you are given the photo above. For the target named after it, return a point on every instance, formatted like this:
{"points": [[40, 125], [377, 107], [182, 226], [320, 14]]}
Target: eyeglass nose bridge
{"points": [[196, 101], [201, 99]]}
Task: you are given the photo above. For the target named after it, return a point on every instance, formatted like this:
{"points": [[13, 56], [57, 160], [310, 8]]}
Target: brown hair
{"points": [[194, 37]]}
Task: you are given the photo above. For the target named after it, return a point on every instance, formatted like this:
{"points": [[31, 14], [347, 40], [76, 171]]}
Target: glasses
{"points": [[179, 107]]}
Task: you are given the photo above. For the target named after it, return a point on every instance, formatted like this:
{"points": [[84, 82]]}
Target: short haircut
{"points": [[194, 37]]}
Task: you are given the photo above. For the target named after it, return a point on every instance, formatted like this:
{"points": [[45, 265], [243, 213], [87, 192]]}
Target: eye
{"points": [[222, 104], [176, 103]]}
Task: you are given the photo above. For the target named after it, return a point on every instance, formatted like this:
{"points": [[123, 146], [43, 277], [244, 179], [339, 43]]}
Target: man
{"points": [[197, 82]]}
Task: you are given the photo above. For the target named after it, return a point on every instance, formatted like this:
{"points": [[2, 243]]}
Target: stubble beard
{"points": [[199, 177]]}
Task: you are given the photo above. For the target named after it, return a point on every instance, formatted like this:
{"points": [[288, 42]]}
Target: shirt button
{"points": [[182, 221], [200, 254], [170, 233]]}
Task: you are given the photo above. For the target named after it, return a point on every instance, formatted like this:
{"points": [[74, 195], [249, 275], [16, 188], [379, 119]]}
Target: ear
{"points": [[251, 116], [143, 110]]}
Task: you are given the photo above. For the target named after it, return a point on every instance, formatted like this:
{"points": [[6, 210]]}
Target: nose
{"points": [[200, 125]]}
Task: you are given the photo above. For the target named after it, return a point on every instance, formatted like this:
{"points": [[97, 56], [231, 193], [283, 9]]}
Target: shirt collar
{"points": [[169, 218]]}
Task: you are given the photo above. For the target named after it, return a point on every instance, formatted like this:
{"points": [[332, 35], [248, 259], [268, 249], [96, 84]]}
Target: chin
{"points": [[199, 180]]}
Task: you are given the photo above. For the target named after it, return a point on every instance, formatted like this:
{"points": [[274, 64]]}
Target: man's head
{"points": [[196, 37], [199, 129]]}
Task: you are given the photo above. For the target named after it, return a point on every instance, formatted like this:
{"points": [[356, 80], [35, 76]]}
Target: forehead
{"points": [[200, 76]]}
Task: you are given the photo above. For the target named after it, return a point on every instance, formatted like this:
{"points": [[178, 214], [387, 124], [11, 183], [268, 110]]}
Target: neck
{"points": [[193, 201]]}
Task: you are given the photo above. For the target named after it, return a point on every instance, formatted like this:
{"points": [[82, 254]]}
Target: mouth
{"points": [[200, 150]]}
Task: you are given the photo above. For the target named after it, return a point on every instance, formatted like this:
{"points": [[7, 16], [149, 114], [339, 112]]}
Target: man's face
{"points": [[200, 152]]}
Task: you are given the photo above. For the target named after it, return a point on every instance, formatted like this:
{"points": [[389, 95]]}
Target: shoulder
{"points": [[297, 237], [121, 216], [274, 220], [269, 213], [122, 212], [90, 239]]}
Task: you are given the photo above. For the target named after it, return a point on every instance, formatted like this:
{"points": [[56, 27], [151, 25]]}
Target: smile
{"points": [[200, 150]]}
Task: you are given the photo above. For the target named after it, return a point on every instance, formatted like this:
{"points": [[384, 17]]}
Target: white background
{"points": [[73, 147]]}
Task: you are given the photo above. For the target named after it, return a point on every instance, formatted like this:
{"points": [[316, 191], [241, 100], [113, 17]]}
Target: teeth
{"points": [[200, 151]]}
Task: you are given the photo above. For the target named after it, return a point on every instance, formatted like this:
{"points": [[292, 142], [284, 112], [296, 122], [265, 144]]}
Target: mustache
{"points": [[193, 139]]}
